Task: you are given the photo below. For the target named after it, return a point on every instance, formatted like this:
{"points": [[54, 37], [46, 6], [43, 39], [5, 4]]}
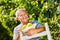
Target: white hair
{"points": [[19, 10]]}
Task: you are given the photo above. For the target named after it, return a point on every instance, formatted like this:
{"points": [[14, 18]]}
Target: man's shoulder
{"points": [[35, 21], [38, 25], [17, 26]]}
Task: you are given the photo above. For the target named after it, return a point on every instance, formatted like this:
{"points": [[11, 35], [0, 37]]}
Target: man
{"points": [[22, 16]]}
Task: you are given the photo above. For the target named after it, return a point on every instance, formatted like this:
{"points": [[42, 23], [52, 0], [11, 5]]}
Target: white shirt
{"points": [[20, 25]]}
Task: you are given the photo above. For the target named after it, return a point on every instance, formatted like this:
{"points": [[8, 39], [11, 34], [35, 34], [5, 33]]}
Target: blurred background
{"points": [[41, 10]]}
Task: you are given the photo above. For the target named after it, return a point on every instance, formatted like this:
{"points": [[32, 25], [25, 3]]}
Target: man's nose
{"points": [[24, 16]]}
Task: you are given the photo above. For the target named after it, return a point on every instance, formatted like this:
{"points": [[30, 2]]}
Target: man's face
{"points": [[22, 17]]}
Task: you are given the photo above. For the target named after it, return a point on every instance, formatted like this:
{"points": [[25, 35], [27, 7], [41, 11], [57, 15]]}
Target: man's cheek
{"points": [[20, 19]]}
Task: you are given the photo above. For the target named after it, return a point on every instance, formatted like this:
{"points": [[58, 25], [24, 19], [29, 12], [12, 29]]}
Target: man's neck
{"points": [[24, 23]]}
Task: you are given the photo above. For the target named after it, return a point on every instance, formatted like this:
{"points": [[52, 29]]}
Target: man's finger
{"points": [[29, 34]]}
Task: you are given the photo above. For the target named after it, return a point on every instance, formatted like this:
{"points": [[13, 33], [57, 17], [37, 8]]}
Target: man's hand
{"points": [[19, 30], [32, 32], [35, 31], [18, 36]]}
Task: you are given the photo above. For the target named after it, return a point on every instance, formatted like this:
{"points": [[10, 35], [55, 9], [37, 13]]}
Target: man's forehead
{"points": [[21, 12]]}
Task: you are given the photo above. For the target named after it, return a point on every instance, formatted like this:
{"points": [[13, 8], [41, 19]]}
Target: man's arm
{"points": [[16, 35], [35, 31], [40, 29], [18, 38]]}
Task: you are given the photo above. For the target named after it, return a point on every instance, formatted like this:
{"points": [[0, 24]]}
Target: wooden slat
{"points": [[36, 35]]}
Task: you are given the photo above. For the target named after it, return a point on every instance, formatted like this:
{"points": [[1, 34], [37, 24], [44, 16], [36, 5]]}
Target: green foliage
{"points": [[42, 10]]}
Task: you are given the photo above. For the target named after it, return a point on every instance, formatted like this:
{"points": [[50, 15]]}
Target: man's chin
{"points": [[25, 21]]}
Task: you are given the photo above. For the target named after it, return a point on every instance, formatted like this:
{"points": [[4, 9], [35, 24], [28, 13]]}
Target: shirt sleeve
{"points": [[38, 25], [15, 33]]}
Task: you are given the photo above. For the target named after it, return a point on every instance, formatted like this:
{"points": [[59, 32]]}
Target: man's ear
{"points": [[16, 18]]}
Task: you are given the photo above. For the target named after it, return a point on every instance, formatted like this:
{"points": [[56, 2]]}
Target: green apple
{"points": [[24, 26], [28, 25]]}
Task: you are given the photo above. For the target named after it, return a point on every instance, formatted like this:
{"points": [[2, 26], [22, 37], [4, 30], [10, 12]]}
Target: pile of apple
{"points": [[25, 28]]}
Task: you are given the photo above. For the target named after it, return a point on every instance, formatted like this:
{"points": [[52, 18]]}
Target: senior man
{"points": [[22, 16]]}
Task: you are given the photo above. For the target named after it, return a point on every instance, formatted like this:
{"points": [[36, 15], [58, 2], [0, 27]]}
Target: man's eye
{"points": [[20, 15]]}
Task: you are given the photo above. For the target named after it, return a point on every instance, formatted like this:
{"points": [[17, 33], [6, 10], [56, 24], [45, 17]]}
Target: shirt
{"points": [[38, 25]]}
